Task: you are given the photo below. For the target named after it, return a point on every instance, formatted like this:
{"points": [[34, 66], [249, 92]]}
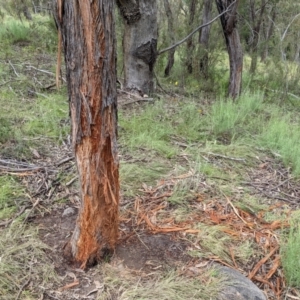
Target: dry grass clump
{"points": [[122, 284], [25, 269]]}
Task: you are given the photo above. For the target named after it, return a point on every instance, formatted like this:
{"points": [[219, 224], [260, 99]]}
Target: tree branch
{"points": [[194, 31]]}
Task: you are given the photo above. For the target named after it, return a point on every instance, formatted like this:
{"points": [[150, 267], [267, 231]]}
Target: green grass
{"points": [[11, 192], [133, 175], [13, 31], [290, 255], [26, 120], [282, 135], [148, 129], [234, 118], [213, 241]]}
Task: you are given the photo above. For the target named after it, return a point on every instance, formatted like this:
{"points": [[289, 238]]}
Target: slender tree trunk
{"points": [[256, 24], [269, 29], [171, 53], [190, 43], [297, 51], [233, 43], [139, 44], [88, 36], [204, 38], [26, 11]]}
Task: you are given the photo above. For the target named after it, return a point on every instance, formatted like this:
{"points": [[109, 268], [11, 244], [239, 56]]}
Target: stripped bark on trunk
{"points": [[139, 44], [233, 44], [87, 29]]}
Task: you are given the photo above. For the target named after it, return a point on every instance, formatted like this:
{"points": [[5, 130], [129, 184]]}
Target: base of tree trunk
{"points": [[95, 258]]}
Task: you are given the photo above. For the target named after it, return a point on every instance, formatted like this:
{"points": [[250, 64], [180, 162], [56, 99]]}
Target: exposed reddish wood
{"points": [[89, 45]]}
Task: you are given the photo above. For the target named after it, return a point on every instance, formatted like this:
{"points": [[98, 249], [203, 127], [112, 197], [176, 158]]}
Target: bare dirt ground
{"points": [[150, 241]]}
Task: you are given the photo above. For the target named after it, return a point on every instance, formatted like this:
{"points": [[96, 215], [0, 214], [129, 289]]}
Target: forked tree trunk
{"points": [[233, 43], [139, 44], [89, 46], [204, 38]]}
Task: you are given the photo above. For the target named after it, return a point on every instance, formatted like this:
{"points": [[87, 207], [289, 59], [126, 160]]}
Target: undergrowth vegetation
{"points": [[21, 253], [187, 142], [169, 285]]}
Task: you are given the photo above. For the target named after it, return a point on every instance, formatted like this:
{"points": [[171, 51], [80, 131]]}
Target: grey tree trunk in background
{"points": [[171, 33], [190, 47], [233, 44], [256, 21], [268, 30], [204, 38], [88, 36], [139, 44]]}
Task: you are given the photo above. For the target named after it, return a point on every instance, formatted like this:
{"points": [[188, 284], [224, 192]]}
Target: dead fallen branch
{"points": [[226, 157]]}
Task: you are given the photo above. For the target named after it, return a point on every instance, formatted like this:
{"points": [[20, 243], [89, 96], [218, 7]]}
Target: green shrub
{"points": [[290, 256]]}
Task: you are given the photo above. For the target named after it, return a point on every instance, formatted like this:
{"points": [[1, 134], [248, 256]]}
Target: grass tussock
{"points": [[123, 285], [213, 241], [23, 261], [11, 193], [14, 31], [290, 255], [234, 118], [282, 136]]}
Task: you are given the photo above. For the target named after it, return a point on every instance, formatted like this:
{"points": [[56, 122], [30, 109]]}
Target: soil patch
{"points": [[144, 252]]}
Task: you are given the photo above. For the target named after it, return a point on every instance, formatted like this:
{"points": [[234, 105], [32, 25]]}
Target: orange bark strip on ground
{"points": [[276, 264], [261, 262], [70, 285]]}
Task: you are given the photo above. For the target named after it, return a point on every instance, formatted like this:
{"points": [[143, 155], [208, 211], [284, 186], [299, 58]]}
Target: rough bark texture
{"points": [[256, 28], [268, 27], [89, 46], [139, 43], [190, 43], [204, 38], [233, 43], [171, 53]]}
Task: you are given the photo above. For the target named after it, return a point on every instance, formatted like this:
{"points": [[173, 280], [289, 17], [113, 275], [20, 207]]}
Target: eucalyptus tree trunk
{"points": [[171, 34], [233, 44], [268, 33], [190, 43], [139, 44], [204, 38], [88, 36], [256, 28]]}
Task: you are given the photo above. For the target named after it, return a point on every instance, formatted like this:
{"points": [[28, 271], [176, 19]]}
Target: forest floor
{"points": [[190, 199]]}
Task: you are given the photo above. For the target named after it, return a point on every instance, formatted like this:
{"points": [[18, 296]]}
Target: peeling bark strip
{"points": [[139, 43], [89, 45], [233, 43]]}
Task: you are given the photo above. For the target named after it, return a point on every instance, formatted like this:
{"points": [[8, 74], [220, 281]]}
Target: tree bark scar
{"points": [[130, 10], [90, 56], [147, 52]]}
